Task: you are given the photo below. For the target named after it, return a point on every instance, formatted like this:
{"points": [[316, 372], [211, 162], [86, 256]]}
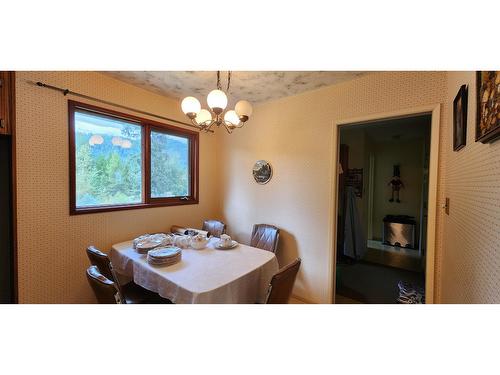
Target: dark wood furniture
{"points": [[8, 214], [7, 112], [214, 227], [281, 285], [265, 237]]}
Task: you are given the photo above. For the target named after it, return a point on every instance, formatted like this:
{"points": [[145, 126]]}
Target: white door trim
{"points": [[435, 112]]}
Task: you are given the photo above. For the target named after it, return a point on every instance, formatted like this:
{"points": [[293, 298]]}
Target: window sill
{"points": [[92, 210]]}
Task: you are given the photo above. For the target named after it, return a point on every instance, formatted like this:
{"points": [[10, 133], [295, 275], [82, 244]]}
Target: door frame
{"points": [[435, 111]]}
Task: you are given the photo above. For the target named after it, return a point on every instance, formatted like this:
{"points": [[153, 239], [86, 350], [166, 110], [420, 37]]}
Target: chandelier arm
{"points": [[234, 126], [210, 125], [227, 128], [193, 121], [203, 127]]}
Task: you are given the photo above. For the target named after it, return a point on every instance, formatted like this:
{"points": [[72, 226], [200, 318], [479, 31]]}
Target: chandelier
{"points": [[204, 119]]}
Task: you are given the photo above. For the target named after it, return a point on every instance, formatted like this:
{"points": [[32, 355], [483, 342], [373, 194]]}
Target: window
{"points": [[169, 165], [108, 155], [118, 161]]}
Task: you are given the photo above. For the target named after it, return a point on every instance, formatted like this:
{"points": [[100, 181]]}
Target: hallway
{"points": [[371, 283]]}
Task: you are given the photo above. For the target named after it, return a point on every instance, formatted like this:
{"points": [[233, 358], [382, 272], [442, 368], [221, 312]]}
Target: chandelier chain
{"points": [[219, 85]]}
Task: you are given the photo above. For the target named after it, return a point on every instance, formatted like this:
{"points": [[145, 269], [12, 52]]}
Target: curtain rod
{"points": [[69, 92]]}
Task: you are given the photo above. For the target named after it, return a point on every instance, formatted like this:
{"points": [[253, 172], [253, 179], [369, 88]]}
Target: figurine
{"points": [[396, 184]]}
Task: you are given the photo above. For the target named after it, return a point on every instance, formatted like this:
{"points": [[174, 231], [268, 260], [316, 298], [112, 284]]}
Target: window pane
{"points": [[169, 165], [108, 160]]}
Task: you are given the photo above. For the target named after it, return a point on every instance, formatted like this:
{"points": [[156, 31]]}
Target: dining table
{"points": [[209, 275]]}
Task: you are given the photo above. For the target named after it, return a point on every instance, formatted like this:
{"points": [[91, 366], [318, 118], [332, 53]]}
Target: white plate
{"points": [[219, 246], [167, 263], [148, 242], [164, 252]]}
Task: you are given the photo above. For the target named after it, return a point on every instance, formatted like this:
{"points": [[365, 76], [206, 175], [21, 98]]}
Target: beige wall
{"points": [[51, 248], [295, 135], [470, 254]]}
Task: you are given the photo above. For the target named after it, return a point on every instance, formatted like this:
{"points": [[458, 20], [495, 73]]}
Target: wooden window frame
{"points": [[147, 126]]}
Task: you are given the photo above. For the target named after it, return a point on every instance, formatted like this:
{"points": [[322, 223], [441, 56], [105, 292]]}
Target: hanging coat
{"points": [[354, 236]]}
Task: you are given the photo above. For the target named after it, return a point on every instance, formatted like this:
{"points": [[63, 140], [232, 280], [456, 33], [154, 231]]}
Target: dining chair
{"points": [[104, 289], [265, 237], [130, 291], [214, 227], [282, 282], [101, 260]]}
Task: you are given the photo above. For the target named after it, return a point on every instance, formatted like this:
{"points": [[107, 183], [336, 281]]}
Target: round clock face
{"points": [[262, 172]]}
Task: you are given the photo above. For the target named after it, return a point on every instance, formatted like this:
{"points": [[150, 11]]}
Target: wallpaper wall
{"points": [[295, 135], [51, 248], [470, 254]]}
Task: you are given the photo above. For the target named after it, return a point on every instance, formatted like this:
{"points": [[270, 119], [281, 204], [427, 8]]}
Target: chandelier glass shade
{"points": [[217, 103]]}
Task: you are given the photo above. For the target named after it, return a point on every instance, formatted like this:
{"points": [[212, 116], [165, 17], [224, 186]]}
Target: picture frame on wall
{"points": [[488, 106], [262, 172], [460, 118]]}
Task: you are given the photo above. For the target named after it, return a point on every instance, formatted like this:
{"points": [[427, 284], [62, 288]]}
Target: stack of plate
{"points": [[147, 242], [164, 256], [140, 239]]}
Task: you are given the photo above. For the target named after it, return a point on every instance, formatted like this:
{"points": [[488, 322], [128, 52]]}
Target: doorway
{"points": [[385, 207]]}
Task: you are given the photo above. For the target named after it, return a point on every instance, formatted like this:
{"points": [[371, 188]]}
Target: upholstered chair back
{"points": [[104, 289], [265, 237], [282, 283], [101, 260]]}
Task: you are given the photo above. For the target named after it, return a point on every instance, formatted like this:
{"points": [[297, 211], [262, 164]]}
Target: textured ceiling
{"points": [[256, 87]]}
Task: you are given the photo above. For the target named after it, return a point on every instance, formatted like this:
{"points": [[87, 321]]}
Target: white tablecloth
{"points": [[240, 275]]}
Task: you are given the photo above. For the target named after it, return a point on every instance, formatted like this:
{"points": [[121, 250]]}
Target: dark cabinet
{"points": [[7, 227], [6, 224], [6, 102]]}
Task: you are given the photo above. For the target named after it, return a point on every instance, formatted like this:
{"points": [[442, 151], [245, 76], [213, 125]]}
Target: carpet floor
{"points": [[373, 283]]}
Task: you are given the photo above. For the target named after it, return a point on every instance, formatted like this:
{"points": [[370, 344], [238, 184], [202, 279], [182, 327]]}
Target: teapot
{"points": [[169, 240], [199, 241]]}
